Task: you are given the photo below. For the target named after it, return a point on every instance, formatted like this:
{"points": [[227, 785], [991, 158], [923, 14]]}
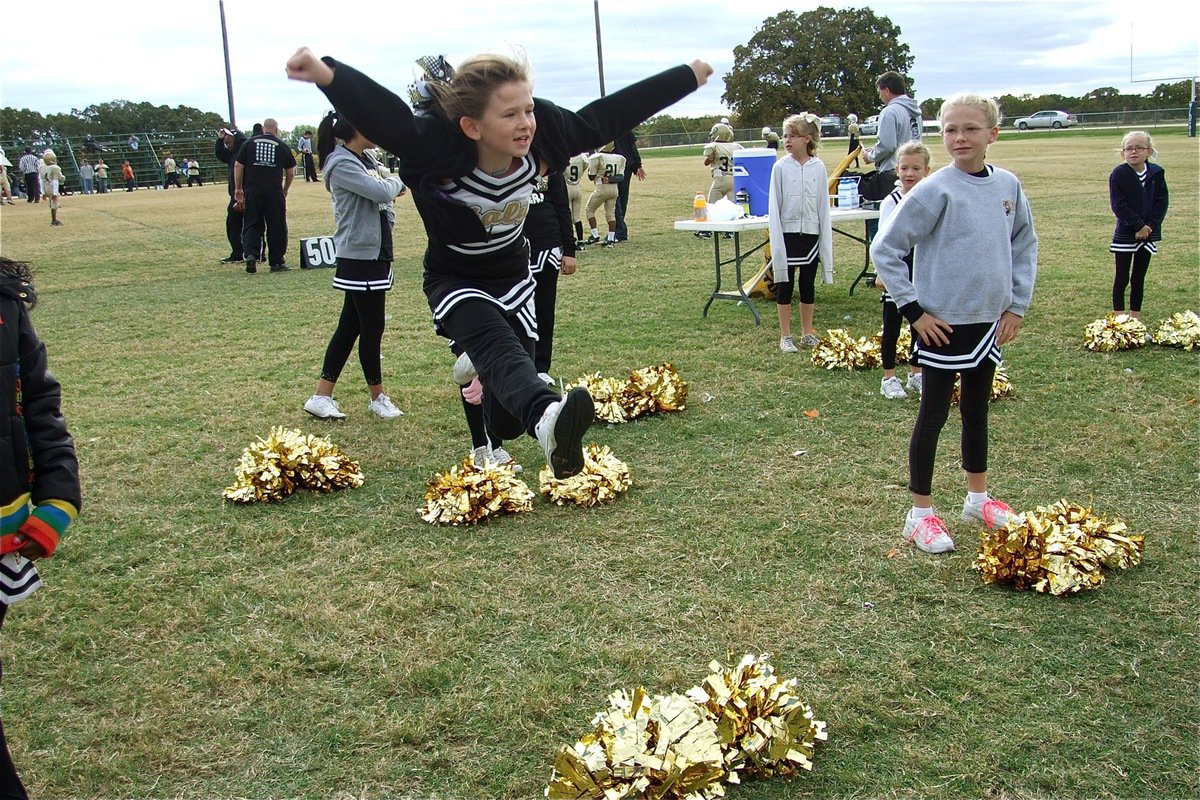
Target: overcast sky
{"points": [[170, 53]]}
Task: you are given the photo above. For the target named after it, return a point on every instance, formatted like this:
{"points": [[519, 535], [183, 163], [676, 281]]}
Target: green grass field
{"points": [[339, 647]]}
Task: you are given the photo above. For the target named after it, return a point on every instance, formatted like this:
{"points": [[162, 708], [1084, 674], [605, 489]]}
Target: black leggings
{"points": [[891, 335], [935, 408], [544, 298], [1140, 260], [514, 397], [362, 319]]}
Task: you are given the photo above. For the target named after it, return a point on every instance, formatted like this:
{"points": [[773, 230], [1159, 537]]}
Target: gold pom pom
{"points": [[840, 350], [766, 729], [469, 493], [607, 394], [1179, 330], [649, 390], [743, 722], [602, 478], [1001, 386], [1115, 332], [273, 468], [642, 747], [1058, 549]]}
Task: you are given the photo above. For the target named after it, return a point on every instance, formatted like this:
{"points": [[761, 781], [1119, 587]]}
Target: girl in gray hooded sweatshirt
{"points": [[362, 192]]}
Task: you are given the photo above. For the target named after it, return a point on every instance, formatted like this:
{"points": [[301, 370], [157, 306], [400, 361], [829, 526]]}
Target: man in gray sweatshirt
{"points": [[899, 122]]}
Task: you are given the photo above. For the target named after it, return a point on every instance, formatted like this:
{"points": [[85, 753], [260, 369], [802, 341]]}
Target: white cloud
{"points": [[171, 54]]}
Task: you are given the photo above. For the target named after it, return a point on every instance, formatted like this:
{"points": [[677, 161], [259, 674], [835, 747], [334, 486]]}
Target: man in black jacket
{"points": [[229, 142], [262, 175], [626, 145]]}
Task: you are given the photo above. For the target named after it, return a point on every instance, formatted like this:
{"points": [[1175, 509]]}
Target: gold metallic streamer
{"points": [[742, 722], [469, 493], [1115, 332], [840, 350], [275, 467], [649, 390], [602, 478], [1179, 330], [1058, 549]]}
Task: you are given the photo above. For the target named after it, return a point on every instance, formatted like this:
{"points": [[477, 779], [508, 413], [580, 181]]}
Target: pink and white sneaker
{"points": [[929, 534]]}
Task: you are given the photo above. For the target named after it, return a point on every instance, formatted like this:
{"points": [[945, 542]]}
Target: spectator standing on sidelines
{"points": [[229, 142], [127, 174], [626, 145], [28, 164], [101, 176], [306, 151], [262, 176], [87, 174], [193, 172], [170, 173], [899, 122]]}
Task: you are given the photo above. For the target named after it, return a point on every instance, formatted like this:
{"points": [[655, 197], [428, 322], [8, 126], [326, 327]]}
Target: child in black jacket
{"points": [[39, 473]]}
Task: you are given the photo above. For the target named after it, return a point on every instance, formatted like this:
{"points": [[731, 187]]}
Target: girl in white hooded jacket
{"points": [[800, 226]]}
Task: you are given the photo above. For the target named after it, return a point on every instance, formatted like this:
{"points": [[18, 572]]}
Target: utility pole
{"points": [[599, 50], [228, 74]]}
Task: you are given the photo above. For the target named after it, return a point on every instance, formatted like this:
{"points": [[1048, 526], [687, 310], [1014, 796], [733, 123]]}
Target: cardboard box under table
{"points": [[739, 226]]}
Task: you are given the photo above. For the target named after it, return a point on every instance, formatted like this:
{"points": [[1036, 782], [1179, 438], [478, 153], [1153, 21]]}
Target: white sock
{"points": [[917, 512], [612, 237], [976, 498], [596, 232]]}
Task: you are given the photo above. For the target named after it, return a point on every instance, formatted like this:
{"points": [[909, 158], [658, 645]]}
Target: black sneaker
{"points": [[609, 243], [703, 234], [592, 240], [232, 260], [251, 266], [280, 268]]}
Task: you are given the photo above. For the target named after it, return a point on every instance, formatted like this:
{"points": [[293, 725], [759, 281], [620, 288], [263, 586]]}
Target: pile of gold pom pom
{"points": [[840, 350], [1115, 332], [471, 492], [273, 468], [1001, 386], [602, 478], [648, 390], [1058, 549], [1179, 330], [743, 722]]}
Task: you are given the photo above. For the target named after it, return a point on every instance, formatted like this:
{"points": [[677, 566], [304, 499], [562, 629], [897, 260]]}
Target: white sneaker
{"points": [[545, 376], [915, 383], [323, 407], [561, 429], [383, 407], [464, 370], [481, 455], [787, 345], [809, 340], [992, 513], [929, 534], [892, 389], [502, 456]]}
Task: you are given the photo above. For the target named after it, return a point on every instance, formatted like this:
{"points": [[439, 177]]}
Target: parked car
{"points": [[1046, 119], [833, 125], [870, 127]]}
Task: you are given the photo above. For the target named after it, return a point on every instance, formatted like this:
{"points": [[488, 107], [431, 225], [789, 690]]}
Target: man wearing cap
{"points": [[229, 142]]}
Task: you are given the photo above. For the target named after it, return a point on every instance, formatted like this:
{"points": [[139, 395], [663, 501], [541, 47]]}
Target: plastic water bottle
{"points": [[700, 208], [742, 198], [847, 193]]}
